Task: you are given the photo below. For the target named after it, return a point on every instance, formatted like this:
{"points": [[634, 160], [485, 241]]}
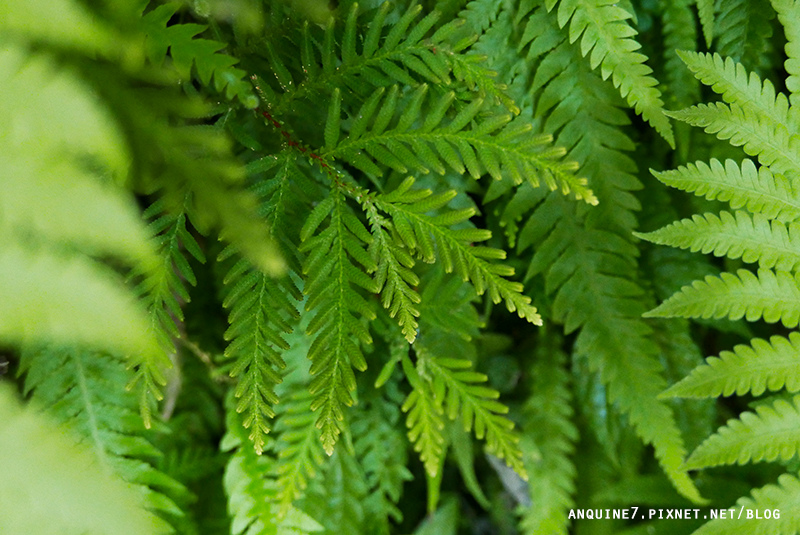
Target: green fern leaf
{"points": [[252, 490], [394, 275], [261, 310], [745, 31], [751, 369], [604, 33], [737, 235], [332, 274], [773, 296], [731, 81], [382, 451], [745, 186], [771, 432], [337, 498]]}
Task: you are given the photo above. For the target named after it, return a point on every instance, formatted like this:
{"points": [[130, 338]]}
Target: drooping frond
{"points": [[548, 415], [754, 238], [86, 392], [261, 311], [607, 38], [752, 369], [773, 296], [424, 419], [40, 460], [164, 291], [332, 271], [756, 189], [771, 432], [466, 143]]}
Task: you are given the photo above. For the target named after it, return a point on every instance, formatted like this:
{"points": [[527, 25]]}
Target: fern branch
{"points": [[771, 432], [773, 296], [420, 232], [331, 275], [753, 239], [756, 189], [751, 369]]}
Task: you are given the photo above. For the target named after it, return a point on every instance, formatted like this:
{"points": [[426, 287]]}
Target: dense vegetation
{"points": [[288, 267]]}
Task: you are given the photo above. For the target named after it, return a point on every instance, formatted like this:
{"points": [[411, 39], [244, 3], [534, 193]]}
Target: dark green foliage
{"points": [[288, 267]]}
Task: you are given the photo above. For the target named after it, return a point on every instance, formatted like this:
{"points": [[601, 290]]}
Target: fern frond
{"points": [[788, 13], [459, 391], [753, 239], [86, 392], [332, 273], [549, 417], [490, 145], [773, 296], [750, 369], [780, 497], [186, 50], [164, 290], [604, 32], [420, 232], [261, 310], [40, 460], [771, 432], [756, 189], [775, 147]]}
